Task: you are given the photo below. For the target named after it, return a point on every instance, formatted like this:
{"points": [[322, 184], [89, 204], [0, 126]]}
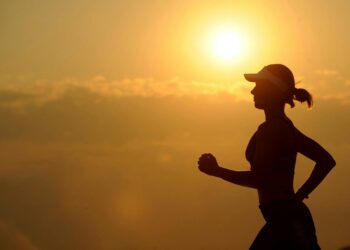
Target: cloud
{"points": [[38, 93]]}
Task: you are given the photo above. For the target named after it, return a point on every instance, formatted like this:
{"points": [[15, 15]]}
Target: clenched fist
{"points": [[208, 164]]}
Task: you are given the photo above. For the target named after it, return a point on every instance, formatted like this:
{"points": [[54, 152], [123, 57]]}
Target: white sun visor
{"points": [[265, 74]]}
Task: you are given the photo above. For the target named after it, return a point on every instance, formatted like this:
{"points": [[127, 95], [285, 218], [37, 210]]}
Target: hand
{"points": [[299, 196], [208, 164]]}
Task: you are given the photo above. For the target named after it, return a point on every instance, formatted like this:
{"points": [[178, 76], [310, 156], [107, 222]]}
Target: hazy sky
{"points": [[105, 107]]}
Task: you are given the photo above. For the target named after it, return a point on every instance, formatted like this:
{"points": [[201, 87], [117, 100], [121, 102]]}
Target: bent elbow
{"points": [[328, 163], [331, 162]]}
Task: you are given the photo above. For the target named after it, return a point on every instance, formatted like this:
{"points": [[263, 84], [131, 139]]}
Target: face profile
{"points": [[266, 95]]}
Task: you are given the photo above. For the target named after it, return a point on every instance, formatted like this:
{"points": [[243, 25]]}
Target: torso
{"points": [[272, 155]]}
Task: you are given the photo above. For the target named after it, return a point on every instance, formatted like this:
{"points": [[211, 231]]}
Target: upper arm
{"points": [[312, 150]]}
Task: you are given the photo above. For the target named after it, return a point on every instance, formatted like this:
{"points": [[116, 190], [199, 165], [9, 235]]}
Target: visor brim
{"points": [[251, 77]]}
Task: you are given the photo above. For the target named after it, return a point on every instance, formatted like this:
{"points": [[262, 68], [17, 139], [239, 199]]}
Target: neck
{"points": [[276, 112]]}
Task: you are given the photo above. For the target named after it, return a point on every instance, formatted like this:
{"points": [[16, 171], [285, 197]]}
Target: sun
{"points": [[226, 45]]}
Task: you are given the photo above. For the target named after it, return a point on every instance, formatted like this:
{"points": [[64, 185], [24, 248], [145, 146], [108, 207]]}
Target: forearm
{"points": [[319, 172], [243, 178]]}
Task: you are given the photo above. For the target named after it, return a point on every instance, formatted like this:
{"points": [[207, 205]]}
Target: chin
{"points": [[258, 106]]}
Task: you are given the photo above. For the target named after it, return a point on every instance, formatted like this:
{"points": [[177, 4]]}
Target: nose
{"points": [[253, 91]]}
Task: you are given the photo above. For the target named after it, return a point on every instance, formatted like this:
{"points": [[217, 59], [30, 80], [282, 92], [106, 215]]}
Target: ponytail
{"points": [[302, 95]]}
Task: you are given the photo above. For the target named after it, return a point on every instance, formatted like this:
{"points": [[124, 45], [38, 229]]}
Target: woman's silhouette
{"points": [[272, 152]]}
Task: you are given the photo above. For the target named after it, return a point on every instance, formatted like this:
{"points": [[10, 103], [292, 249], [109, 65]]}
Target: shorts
{"points": [[289, 226]]}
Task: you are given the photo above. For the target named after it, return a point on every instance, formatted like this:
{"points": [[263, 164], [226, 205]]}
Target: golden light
{"points": [[226, 45]]}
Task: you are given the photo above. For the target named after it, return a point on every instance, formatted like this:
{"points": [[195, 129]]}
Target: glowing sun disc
{"points": [[227, 45]]}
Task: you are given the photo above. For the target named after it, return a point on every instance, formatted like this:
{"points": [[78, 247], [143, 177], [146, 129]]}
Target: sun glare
{"points": [[226, 45]]}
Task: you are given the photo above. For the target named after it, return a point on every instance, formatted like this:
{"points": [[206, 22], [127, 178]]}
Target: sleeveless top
{"points": [[276, 178]]}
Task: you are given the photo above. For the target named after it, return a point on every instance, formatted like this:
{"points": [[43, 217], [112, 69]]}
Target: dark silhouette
{"points": [[345, 248], [272, 152]]}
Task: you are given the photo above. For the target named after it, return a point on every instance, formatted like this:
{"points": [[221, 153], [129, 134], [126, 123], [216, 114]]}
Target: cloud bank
{"points": [[14, 94], [19, 92]]}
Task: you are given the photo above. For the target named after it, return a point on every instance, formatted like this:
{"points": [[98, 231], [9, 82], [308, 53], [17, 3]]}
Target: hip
{"points": [[286, 211]]}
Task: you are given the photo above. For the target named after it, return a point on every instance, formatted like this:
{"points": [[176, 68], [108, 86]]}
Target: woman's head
{"points": [[275, 85]]}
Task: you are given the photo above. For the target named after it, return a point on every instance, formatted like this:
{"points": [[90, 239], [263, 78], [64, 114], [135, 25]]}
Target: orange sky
{"points": [[106, 105]]}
